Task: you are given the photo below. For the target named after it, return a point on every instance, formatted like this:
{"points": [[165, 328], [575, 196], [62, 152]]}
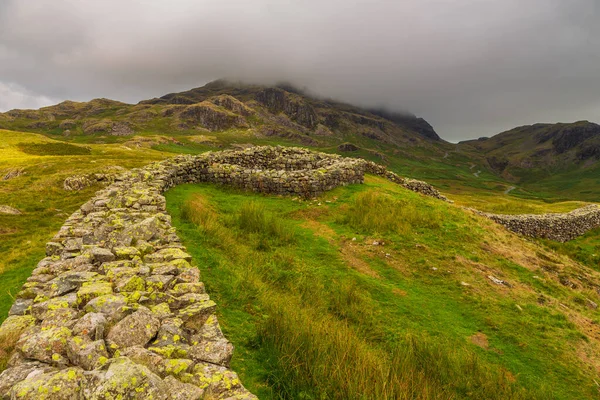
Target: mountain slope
{"points": [[220, 106], [375, 292], [562, 158]]}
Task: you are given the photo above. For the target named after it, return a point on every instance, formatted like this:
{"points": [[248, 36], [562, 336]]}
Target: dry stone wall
{"points": [[116, 310], [555, 226]]}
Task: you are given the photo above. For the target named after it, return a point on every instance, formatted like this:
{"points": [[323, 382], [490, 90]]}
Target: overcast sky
{"points": [[470, 67]]}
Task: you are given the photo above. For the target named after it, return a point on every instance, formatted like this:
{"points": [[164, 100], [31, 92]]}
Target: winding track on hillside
{"points": [[116, 309]]}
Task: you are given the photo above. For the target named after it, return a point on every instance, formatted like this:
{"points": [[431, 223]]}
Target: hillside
{"points": [[365, 291], [388, 294], [562, 159], [260, 111]]}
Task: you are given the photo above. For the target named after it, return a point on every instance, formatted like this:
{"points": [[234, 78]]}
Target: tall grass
{"points": [[374, 212], [325, 337], [321, 357], [253, 218]]}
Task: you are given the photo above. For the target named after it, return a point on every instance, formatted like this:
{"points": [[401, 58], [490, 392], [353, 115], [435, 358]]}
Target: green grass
{"points": [[330, 315], [585, 249]]}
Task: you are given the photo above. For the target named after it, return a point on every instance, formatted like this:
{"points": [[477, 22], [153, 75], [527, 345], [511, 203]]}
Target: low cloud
{"points": [[470, 67]]}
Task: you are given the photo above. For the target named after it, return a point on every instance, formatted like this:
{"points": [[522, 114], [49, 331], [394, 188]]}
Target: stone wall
{"points": [[559, 227], [116, 310]]}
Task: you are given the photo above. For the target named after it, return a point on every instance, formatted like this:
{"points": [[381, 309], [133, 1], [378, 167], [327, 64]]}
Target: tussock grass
{"points": [[323, 355], [253, 218], [374, 212], [307, 326]]}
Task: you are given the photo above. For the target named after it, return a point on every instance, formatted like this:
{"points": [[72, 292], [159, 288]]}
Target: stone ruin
{"points": [[560, 227], [116, 310]]}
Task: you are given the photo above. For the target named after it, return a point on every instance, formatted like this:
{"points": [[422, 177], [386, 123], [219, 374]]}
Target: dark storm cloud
{"points": [[470, 67]]}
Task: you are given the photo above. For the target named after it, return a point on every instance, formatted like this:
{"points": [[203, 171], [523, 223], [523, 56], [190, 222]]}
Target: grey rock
{"points": [[217, 352], [136, 329], [11, 376], [183, 391], [21, 307], [91, 325], [117, 381], [65, 384]]}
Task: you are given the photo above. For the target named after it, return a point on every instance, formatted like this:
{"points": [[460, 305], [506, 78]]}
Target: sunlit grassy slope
{"points": [[374, 292]]}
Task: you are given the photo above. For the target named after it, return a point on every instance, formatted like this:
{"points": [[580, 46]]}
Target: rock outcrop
{"points": [[116, 310], [4, 209], [555, 226]]}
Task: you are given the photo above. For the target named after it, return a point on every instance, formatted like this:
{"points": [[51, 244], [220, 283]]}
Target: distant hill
{"points": [[275, 111], [563, 156]]}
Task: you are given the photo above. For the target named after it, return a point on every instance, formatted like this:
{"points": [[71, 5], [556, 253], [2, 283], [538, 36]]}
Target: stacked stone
{"points": [[410, 184], [559, 227], [116, 310]]}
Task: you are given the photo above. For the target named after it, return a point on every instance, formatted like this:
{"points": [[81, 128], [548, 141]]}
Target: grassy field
{"points": [[376, 292]]}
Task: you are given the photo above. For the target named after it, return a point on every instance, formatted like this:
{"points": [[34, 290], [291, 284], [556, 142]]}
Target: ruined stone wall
{"points": [[559, 227], [116, 310]]}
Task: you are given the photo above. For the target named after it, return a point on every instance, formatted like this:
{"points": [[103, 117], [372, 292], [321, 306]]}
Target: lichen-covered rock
{"points": [[111, 305], [69, 281], [46, 345], [195, 315], [182, 391], [166, 255], [18, 373], [134, 330], [61, 317], [92, 290], [178, 366], [145, 230], [170, 335], [86, 353], [145, 357], [218, 382], [217, 352], [65, 384], [21, 307], [40, 310], [13, 326], [210, 331], [100, 255], [91, 325], [126, 380]]}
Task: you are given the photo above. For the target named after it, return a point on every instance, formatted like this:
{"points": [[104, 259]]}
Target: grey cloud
{"points": [[470, 67]]}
